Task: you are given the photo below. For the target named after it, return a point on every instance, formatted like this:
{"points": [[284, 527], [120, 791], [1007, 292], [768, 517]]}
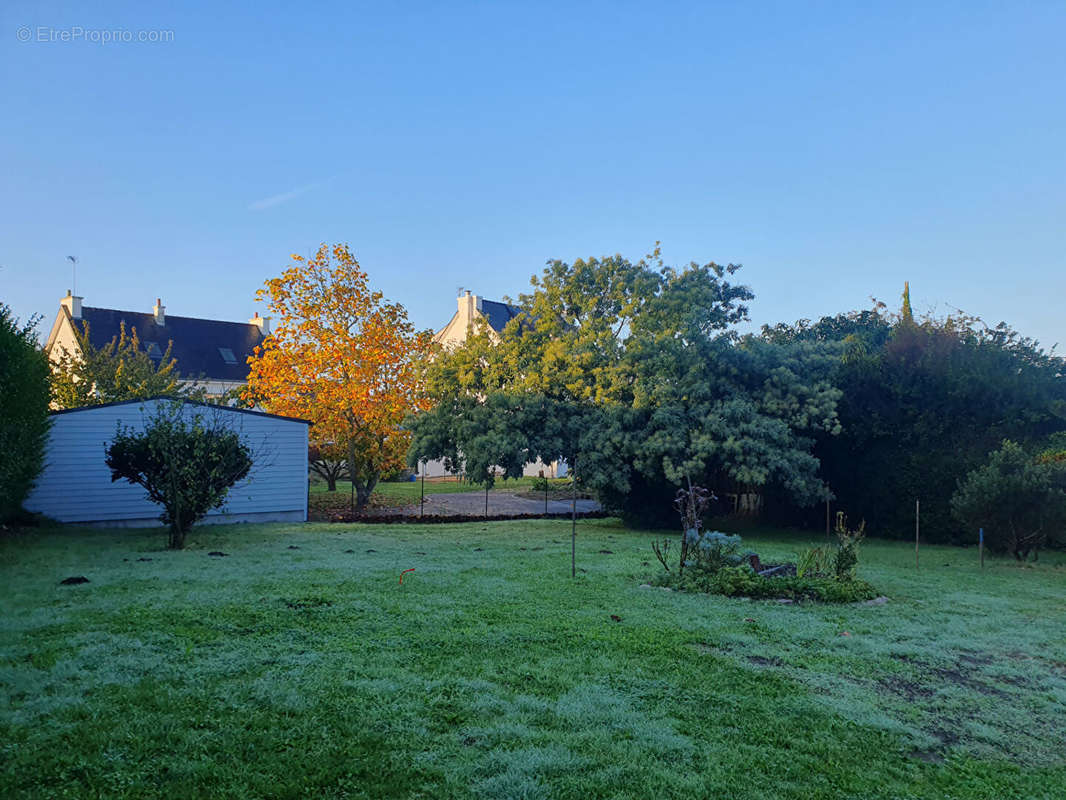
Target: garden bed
{"points": [[712, 562]]}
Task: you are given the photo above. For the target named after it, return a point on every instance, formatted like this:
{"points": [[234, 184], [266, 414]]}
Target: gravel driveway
{"points": [[500, 503]]}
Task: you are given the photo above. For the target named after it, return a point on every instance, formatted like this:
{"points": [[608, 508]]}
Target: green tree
{"points": [[186, 462], [922, 404], [1019, 500], [23, 411], [906, 314], [120, 370], [632, 374]]}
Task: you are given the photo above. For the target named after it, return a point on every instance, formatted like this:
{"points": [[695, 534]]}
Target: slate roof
{"points": [[499, 314], [196, 341]]}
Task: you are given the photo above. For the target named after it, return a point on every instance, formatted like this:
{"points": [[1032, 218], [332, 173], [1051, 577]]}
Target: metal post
{"points": [[545, 497], [422, 502], [917, 519], [486, 499], [981, 545], [573, 522], [827, 518]]}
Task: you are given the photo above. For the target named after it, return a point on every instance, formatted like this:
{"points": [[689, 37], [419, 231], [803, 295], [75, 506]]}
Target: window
{"points": [[153, 351], [227, 355]]}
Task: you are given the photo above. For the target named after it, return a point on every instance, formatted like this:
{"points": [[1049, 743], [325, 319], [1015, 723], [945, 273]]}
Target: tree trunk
{"points": [[177, 537], [351, 475], [363, 490], [331, 482]]}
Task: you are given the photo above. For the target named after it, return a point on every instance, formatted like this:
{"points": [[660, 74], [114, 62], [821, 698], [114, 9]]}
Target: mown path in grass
{"points": [[298, 666]]}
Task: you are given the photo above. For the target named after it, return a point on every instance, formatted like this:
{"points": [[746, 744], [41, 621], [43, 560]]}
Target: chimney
{"points": [[159, 312], [72, 303], [263, 323], [468, 304]]}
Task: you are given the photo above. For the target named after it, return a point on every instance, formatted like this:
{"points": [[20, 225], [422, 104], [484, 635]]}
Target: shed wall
{"points": [[76, 486]]}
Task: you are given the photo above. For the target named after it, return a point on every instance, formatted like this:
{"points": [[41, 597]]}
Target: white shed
{"points": [[75, 485]]}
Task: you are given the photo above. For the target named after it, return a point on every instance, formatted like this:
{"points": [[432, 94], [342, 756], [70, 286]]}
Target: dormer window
{"points": [[227, 355], [153, 351]]}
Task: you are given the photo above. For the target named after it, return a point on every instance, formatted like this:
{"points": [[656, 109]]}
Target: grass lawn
{"points": [[297, 666]]}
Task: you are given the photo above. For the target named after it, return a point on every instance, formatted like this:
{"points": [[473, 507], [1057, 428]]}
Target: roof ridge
{"points": [[169, 315], [184, 400]]}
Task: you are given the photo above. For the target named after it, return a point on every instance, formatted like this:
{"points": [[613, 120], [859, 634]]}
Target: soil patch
{"points": [[762, 661], [906, 689], [954, 676], [928, 756]]}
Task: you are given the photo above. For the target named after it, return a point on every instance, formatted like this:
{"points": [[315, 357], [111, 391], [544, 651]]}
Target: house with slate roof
{"points": [[212, 353], [471, 309]]}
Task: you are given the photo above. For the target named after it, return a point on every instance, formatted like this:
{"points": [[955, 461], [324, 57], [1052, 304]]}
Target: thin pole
{"points": [[573, 523], [422, 502], [981, 545], [545, 497], [917, 519], [827, 518], [486, 498]]}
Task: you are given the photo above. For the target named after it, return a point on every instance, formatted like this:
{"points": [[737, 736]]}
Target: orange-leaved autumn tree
{"points": [[343, 358]]}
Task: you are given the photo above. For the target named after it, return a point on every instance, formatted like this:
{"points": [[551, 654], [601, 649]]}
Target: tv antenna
{"points": [[73, 274]]}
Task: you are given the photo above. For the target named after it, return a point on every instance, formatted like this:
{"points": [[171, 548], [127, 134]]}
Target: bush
{"points": [[739, 581], [846, 557], [1017, 498], [743, 581], [23, 412], [815, 562], [713, 550], [187, 465]]}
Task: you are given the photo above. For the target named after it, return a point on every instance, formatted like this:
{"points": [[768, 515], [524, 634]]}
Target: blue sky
{"points": [[834, 149]]}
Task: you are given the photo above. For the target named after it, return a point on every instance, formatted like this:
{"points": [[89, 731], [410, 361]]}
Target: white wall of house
{"points": [[467, 315], [75, 485], [214, 389], [61, 340], [556, 469]]}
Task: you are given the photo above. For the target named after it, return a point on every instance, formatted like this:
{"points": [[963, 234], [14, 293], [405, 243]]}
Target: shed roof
{"points": [[183, 400]]}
